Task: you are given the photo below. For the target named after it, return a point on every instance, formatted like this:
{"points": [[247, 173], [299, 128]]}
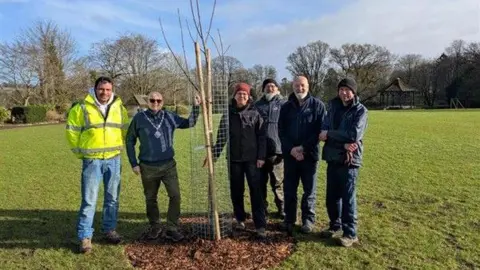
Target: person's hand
{"points": [[136, 170], [294, 152], [260, 163], [323, 135], [297, 153], [351, 147]]}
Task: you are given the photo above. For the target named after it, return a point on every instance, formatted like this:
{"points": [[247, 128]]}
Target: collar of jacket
{"points": [[151, 114]]}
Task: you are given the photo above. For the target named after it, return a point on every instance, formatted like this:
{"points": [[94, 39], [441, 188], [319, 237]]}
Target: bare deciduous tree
{"points": [[18, 71], [369, 64], [310, 61], [51, 51], [406, 66], [106, 55], [134, 57], [258, 73], [227, 66]]}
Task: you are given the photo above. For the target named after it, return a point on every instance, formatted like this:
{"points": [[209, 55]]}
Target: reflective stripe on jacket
{"points": [[91, 135]]}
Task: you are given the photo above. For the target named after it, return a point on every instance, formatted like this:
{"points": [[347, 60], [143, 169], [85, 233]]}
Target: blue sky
{"points": [[261, 31]]}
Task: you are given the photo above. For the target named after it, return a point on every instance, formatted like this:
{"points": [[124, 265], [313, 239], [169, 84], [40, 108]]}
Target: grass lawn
{"points": [[418, 197]]}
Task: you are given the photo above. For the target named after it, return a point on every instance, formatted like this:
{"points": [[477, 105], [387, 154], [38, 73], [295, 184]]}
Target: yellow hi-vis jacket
{"points": [[92, 136]]}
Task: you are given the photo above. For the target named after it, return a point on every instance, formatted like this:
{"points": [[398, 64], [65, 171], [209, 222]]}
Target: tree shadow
{"points": [[54, 229]]}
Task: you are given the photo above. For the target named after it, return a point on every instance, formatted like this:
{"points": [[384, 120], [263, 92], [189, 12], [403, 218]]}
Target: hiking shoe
{"points": [[154, 232], [328, 233], [86, 245], [174, 235], [287, 227], [306, 228], [240, 226], [113, 237], [261, 233], [348, 241]]}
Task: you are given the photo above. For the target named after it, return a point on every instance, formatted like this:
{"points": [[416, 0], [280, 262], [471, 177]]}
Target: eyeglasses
{"points": [[155, 100]]}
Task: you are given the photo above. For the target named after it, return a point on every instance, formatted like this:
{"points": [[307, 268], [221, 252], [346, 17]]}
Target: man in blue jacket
{"points": [[269, 108], [154, 129], [301, 119], [343, 132]]}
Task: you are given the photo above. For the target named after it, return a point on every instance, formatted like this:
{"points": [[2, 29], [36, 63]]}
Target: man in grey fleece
{"points": [[269, 108]]}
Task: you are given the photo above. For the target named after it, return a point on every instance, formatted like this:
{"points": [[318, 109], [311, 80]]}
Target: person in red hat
{"points": [[245, 155]]}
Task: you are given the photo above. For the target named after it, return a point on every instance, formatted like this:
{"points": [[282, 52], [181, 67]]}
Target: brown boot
{"points": [[86, 245], [113, 237]]}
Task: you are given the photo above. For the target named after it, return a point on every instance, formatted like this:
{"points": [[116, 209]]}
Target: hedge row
{"points": [[29, 114]]}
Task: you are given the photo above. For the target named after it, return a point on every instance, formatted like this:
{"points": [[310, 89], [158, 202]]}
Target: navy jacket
{"points": [[270, 112], [246, 132], [346, 128], [153, 150], [301, 125]]}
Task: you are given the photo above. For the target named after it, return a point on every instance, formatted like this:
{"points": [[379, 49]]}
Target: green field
{"points": [[418, 197]]}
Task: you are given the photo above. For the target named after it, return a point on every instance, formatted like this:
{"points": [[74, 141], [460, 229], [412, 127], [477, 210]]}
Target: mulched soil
{"points": [[242, 250]]}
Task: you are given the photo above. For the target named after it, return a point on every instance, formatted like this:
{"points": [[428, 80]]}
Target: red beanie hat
{"points": [[242, 87]]}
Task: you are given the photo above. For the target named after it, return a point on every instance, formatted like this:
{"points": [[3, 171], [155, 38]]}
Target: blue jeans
{"points": [[294, 171], [341, 198], [94, 171]]}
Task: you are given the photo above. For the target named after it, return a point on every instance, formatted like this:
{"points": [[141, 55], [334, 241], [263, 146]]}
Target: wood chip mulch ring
{"points": [[240, 251]]}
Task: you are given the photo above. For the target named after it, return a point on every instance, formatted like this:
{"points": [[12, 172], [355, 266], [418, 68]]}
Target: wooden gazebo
{"points": [[397, 95]]}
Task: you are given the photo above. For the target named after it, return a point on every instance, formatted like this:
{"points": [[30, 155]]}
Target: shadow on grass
{"points": [[53, 229], [314, 237], [56, 229]]}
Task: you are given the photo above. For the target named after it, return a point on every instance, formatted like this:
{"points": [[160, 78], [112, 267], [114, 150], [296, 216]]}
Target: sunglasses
{"points": [[155, 100]]}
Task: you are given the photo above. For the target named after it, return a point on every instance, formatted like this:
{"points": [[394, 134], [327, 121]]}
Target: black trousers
{"points": [[238, 172]]}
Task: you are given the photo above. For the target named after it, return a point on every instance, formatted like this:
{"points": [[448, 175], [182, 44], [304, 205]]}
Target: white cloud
{"points": [[425, 27]]}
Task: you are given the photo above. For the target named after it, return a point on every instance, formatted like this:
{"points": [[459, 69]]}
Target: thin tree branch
{"points": [[183, 41], [175, 57], [211, 18], [190, 32], [194, 18]]}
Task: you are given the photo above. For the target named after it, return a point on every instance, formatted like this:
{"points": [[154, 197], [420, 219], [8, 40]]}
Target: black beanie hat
{"points": [[350, 83], [267, 81]]}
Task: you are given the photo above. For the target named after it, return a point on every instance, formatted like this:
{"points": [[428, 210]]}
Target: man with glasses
{"points": [[154, 129]]}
